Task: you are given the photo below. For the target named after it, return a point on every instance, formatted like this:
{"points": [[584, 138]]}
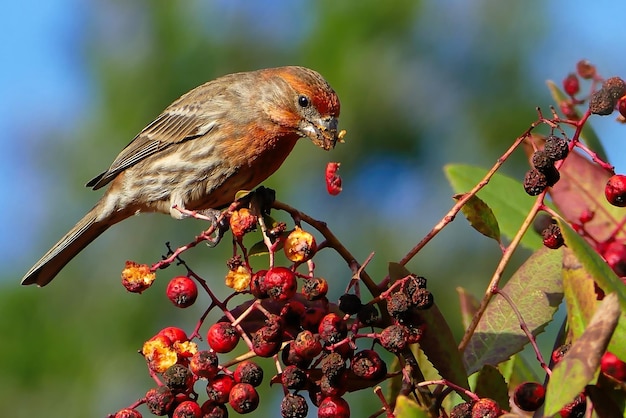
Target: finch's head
{"points": [[305, 103]]}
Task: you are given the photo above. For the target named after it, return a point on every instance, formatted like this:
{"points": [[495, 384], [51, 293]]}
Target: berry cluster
{"points": [[288, 317]]}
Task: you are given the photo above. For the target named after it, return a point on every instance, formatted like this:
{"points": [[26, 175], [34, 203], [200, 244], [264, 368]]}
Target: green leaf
{"points": [[580, 365], [407, 408], [516, 371], [504, 195], [437, 342], [491, 384], [588, 134], [480, 217], [536, 289]]}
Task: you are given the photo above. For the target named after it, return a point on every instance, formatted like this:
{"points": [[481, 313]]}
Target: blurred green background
{"points": [[421, 84]]}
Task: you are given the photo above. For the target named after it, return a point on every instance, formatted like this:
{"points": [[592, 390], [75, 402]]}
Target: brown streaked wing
{"points": [[168, 129]]}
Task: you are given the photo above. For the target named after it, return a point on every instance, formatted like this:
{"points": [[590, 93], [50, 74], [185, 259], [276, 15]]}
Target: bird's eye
{"points": [[303, 101]]}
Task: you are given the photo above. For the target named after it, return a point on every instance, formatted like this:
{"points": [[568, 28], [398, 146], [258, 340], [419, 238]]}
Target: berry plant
{"points": [[568, 209]]}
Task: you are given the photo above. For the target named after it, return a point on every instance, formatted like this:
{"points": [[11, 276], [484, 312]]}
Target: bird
{"points": [[226, 135]]}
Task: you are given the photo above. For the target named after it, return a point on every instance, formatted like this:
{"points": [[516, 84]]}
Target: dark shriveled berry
{"points": [[535, 182], [333, 365], [248, 372], [293, 406], [368, 365], [394, 338], [160, 400], [552, 237], [293, 378], [398, 304], [368, 315], [529, 396], [603, 101], [552, 176], [541, 161], [178, 378], [422, 299], [555, 148], [462, 410], [349, 303]]}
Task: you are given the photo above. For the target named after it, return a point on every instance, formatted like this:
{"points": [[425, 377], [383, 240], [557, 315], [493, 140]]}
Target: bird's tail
{"points": [[83, 233]]}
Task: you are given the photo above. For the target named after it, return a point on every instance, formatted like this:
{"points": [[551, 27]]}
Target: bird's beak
{"points": [[322, 131]]}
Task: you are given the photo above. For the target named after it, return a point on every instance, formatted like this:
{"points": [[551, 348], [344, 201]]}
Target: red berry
{"points": [[219, 387], [160, 400], [182, 291], [248, 372], [615, 256], [552, 237], [280, 283], [575, 409], [486, 408], [529, 396], [333, 180], [586, 216], [262, 346], [571, 84], [368, 365], [257, 285], [187, 409], [306, 345], [612, 366], [615, 190], [204, 364], [128, 413], [333, 407], [211, 409], [332, 328], [559, 353], [222, 337], [243, 398], [621, 106], [174, 334]]}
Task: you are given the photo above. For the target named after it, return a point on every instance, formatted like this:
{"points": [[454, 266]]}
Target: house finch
{"points": [[226, 135]]}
